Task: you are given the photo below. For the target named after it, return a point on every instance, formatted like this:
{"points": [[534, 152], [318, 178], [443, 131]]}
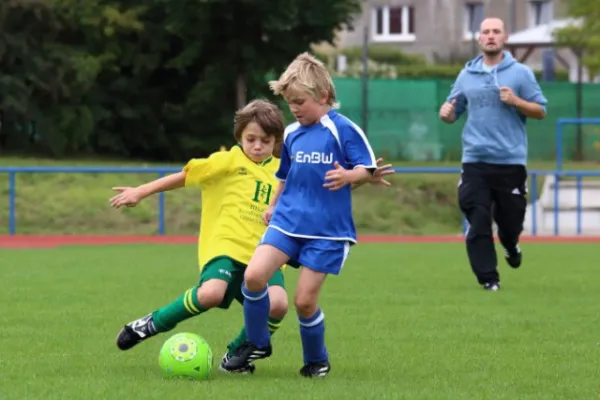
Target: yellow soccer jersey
{"points": [[235, 193]]}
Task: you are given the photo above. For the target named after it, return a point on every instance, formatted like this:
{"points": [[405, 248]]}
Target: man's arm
{"points": [[530, 109], [531, 102], [455, 104]]}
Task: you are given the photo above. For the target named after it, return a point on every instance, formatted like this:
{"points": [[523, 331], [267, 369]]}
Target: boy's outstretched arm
{"points": [[378, 175], [131, 196]]}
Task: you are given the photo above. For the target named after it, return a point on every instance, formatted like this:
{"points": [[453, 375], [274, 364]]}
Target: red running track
{"points": [[51, 241]]}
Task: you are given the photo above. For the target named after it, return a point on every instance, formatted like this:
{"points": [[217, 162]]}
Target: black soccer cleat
{"points": [[249, 369], [315, 370], [135, 332], [491, 286], [514, 258], [245, 355]]}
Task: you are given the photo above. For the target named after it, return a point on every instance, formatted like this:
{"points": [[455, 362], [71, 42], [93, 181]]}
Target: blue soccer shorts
{"points": [[320, 255]]}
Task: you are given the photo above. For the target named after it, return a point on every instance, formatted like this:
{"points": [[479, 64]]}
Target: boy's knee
{"points": [[278, 302], [254, 279], [211, 293], [306, 305]]}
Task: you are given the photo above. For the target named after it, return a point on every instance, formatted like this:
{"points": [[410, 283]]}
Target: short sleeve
{"points": [[199, 171], [531, 90], [457, 94], [357, 148], [284, 165]]}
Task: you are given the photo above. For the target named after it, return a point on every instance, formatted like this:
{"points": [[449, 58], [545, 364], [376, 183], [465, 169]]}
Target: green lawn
{"points": [[404, 321]]}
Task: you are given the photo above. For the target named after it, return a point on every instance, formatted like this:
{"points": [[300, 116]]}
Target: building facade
{"points": [[443, 30]]}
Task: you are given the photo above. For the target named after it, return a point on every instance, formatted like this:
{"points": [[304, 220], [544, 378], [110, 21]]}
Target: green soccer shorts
{"points": [[231, 271]]}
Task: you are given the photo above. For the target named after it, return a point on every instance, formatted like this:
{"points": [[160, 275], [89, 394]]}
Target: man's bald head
{"points": [[492, 36], [492, 23]]}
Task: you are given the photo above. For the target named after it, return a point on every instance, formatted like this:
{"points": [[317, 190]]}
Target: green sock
{"points": [[242, 338], [186, 306]]}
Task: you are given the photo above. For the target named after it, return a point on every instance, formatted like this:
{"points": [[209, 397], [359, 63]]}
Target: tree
{"points": [[155, 79], [46, 73], [585, 38], [196, 61]]}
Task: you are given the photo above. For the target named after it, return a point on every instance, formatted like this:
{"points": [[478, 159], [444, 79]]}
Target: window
{"points": [[393, 24], [473, 15], [540, 12]]}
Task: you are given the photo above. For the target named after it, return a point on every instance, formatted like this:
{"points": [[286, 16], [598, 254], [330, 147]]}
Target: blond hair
{"points": [[306, 74]]}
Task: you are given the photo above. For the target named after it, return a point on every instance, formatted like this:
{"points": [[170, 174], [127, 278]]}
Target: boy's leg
{"points": [[322, 257], [275, 250], [212, 291], [278, 309]]}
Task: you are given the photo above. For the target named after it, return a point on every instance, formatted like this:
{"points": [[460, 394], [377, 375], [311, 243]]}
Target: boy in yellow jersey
{"points": [[236, 189]]}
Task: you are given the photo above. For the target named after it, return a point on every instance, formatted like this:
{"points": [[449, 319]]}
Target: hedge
{"points": [[414, 66]]}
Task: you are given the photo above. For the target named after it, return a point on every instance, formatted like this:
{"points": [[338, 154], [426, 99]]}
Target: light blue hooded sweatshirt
{"points": [[494, 132]]}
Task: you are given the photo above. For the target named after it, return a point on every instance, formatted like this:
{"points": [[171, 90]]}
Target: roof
{"points": [[541, 34]]}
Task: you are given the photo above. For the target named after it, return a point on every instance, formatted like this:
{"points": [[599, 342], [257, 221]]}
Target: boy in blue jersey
{"points": [[324, 155], [499, 95]]}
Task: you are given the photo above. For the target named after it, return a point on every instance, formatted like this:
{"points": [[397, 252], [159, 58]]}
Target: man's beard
{"points": [[492, 53]]}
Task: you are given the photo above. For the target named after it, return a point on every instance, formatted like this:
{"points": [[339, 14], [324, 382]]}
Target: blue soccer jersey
{"points": [[306, 209]]}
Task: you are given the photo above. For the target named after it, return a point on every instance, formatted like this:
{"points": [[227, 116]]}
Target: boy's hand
{"points": [[268, 214], [337, 178], [128, 196], [380, 172]]}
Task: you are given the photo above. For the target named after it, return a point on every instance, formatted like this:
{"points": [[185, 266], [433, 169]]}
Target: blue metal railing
{"points": [[12, 185], [533, 195]]}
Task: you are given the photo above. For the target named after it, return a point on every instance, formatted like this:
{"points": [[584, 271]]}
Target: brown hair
{"points": [[267, 115], [306, 74]]}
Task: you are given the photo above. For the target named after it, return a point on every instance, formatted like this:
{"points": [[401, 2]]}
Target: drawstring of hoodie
{"points": [[495, 76]]}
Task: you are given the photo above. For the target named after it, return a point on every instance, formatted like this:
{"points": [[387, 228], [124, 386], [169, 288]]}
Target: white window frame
{"points": [[537, 7], [386, 36], [467, 34]]}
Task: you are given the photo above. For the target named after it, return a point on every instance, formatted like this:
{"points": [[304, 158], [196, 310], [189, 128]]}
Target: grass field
{"points": [[404, 321]]}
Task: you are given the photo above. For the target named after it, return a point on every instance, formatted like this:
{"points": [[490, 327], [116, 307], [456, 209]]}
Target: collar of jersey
{"points": [[260, 164], [331, 113]]}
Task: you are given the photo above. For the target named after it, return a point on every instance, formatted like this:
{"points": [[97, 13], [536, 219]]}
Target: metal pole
{"points": [[559, 146], [533, 204], [12, 191], [579, 200], [161, 210], [579, 105], [513, 16], [365, 80], [556, 201], [473, 30]]}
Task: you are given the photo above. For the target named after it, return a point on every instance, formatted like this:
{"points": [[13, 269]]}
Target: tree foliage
{"points": [[585, 37], [155, 79]]}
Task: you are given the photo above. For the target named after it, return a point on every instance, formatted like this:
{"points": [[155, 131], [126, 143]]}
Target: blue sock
{"points": [[256, 315], [312, 332]]}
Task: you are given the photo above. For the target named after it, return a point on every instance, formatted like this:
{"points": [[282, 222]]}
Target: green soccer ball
{"points": [[186, 355]]}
